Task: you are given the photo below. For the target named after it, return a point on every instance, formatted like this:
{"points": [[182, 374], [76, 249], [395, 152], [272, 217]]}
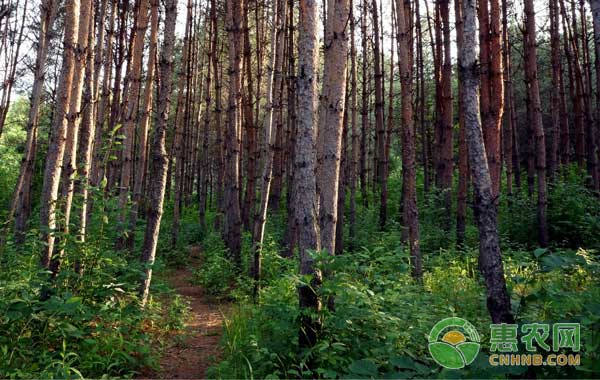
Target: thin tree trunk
{"points": [[509, 126], [56, 149], [329, 138], [69, 164], [304, 193], [364, 109], [490, 260], [146, 113], [536, 122], [355, 151], [273, 82], [445, 123], [463, 153], [409, 175], [181, 116], [159, 157], [86, 135], [492, 122], [232, 137], [21, 204]]}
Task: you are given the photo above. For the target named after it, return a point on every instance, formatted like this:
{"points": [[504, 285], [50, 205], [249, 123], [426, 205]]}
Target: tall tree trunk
{"points": [[56, 149], [379, 122], [159, 158], [232, 137], [21, 204], [250, 127], [445, 122], [364, 108], [409, 175], [342, 180], [181, 116], [331, 114], [131, 113], [555, 59], [144, 126], [492, 122], [305, 195], [206, 163], [576, 82], [86, 133], [69, 166], [420, 112], [536, 122], [590, 125], [98, 166], [388, 138], [463, 153], [291, 233], [490, 260], [355, 151], [509, 125], [273, 82]]}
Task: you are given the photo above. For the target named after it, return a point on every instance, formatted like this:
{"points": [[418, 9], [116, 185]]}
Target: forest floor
{"points": [[189, 355]]}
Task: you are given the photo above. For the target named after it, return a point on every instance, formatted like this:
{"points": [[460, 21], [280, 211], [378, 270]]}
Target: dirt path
{"points": [[191, 357]]}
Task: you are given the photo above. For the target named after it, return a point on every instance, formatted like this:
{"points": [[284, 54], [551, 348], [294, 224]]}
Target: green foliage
{"points": [[382, 316], [217, 274], [89, 324], [11, 150]]}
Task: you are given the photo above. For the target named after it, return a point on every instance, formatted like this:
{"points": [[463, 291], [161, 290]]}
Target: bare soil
{"points": [[189, 355]]}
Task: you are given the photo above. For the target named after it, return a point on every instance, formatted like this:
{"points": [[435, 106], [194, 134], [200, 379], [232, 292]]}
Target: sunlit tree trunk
{"points": [[56, 148], [159, 158], [331, 113], [86, 133], [144, 126], [21, 205], [69, 164]]}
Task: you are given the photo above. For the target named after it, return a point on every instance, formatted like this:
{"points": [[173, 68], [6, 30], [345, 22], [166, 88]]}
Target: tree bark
{"points": [[329, 138], [56, 149], [445, 118], [159, 157], [490, 260], [305, 195], [463, 152], [273, 82], [409, 175], [232, 137], [21, 204], [139, 200], [536, 122]]}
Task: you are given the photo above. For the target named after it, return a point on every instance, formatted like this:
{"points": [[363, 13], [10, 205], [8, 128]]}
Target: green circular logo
{"points": [[453, 343]]}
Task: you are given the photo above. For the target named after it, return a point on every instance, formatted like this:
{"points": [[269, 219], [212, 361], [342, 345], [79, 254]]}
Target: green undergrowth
{"points": [[382, 317], [90, 325]]}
